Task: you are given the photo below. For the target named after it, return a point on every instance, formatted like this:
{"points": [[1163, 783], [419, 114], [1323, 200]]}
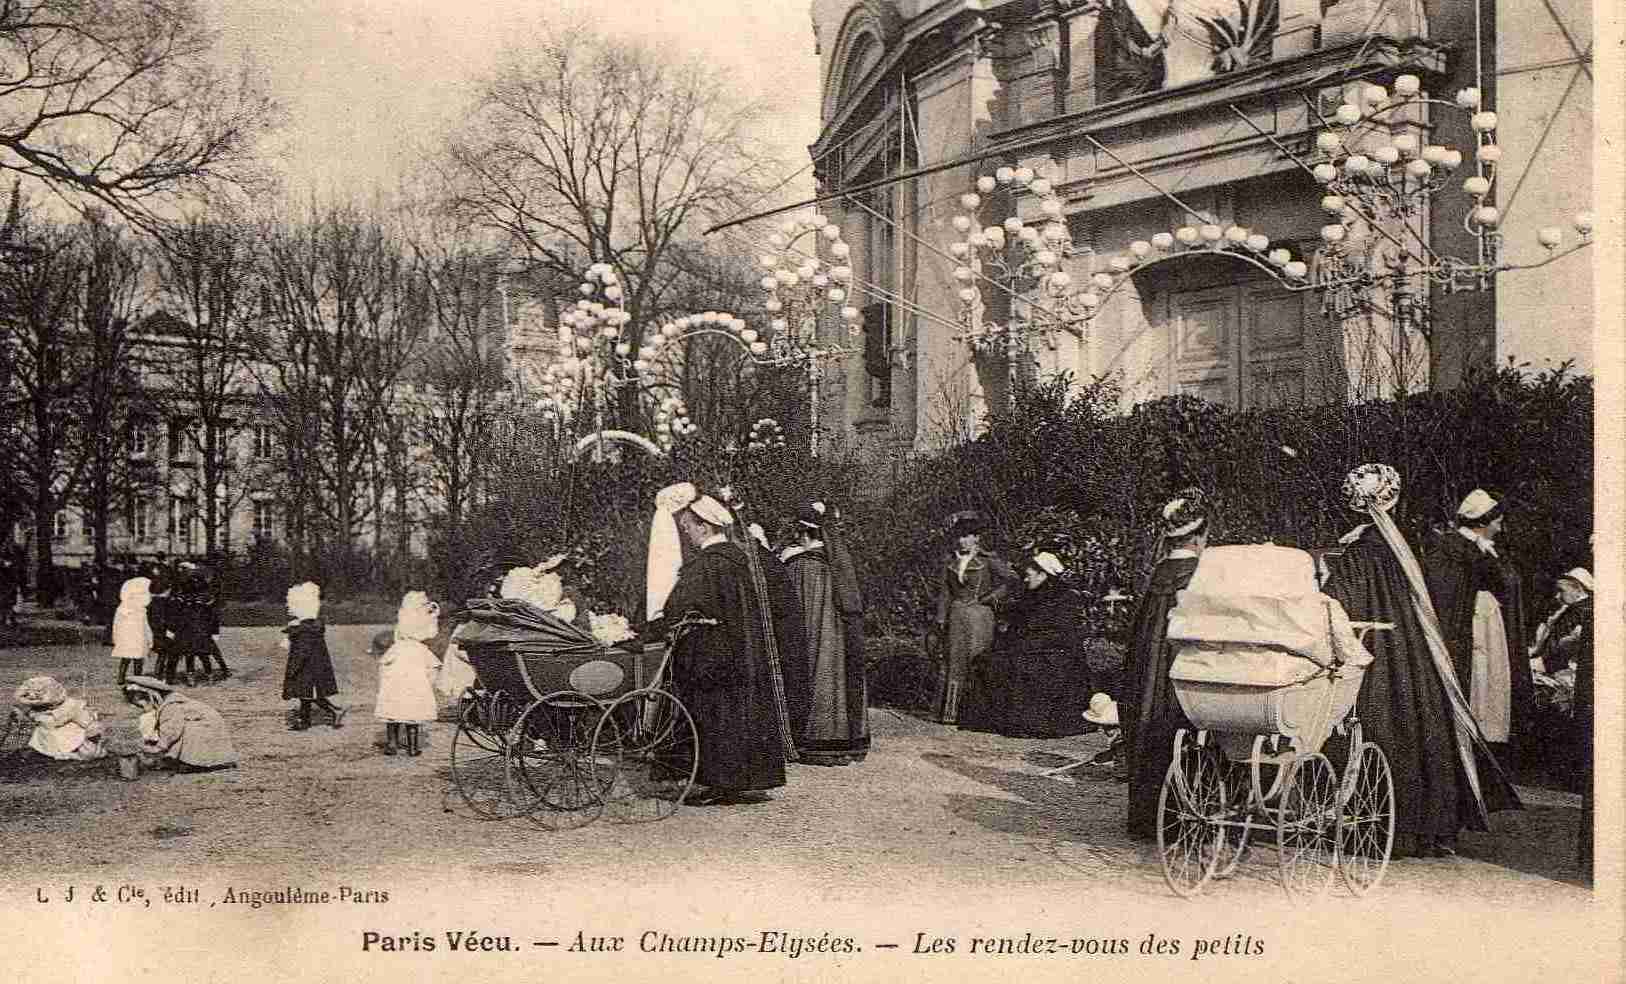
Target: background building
{"points": [[1121, 101]]}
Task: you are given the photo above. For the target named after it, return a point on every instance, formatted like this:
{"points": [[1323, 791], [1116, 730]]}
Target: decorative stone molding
{"points": [[867, 22], [1352, 20]]}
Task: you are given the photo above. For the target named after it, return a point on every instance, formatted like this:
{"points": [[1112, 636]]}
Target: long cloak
{"points": [[1456, 571], [722, 673], [791, 634], [1403, 705], [834, 735], [850, 605], [309, 674], [1151, 713], [1035, 683]]}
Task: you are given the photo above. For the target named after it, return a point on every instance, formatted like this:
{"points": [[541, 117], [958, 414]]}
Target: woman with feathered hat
{"points": [[1150, 711], [1410, 704], [971, 583]]}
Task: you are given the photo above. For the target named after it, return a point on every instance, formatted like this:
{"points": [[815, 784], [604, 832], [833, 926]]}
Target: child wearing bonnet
{"points": [[65, 728], [406, 675]]}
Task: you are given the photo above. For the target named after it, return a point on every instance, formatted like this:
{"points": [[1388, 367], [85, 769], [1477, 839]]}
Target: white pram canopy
{"points": [[1254, 616]]}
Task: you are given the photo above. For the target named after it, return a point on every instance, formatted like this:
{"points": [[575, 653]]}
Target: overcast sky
{"points": [[366, 82]]}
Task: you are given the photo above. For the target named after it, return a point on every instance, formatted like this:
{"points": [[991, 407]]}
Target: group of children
{"points": [[406, 668], [150, 621], [172, 620]]}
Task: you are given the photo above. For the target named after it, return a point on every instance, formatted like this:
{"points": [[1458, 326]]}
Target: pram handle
{"points": [[1362, 628]]}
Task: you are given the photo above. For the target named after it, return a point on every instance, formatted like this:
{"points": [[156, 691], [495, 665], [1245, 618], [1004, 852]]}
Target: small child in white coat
{"points": [[406, 675], [65, 728], [132, 633]]}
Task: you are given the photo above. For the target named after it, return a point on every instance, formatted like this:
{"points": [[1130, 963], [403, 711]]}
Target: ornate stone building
{"points": [[1146, 113]]}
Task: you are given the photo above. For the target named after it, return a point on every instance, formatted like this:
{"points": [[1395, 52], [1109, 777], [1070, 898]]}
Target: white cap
{"points": [[1477, 505], [1048, 563], [1581, 576]]}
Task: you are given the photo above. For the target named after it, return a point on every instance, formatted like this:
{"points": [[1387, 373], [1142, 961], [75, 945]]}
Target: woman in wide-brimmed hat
{"points": [[972, 582], [1033, 683]]}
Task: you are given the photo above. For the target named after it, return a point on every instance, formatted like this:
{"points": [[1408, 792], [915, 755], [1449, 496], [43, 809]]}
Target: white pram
{"points": [[1267, 669]]}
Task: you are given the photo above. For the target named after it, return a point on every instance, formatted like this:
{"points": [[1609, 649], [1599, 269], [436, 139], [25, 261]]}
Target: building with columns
{"points": [[1149, 115]]}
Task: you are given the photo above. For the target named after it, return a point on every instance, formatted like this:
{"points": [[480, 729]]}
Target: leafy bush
{"points": [[1063, 468]]}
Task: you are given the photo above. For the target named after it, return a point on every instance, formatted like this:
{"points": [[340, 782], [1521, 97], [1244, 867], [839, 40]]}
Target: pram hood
{"points": [[1254, 615], [513, 621]]}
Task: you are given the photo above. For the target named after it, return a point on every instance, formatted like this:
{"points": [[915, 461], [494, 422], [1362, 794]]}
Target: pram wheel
{"points": [[1307, 826], [555, 776], [1190, 809], [1238, 827], [479, 758], [658, 751], [1367, 822]]}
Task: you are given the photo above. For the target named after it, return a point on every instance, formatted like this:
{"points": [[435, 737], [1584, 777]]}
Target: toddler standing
{"points": [[406, 675], [309, 676], [132, 635]]}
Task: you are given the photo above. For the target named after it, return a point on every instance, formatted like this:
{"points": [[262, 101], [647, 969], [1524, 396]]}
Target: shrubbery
{"points": [[1064, 468], [1067, 471]]}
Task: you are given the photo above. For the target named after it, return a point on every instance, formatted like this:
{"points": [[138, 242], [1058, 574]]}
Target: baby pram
{"points": [[1267, 669]]}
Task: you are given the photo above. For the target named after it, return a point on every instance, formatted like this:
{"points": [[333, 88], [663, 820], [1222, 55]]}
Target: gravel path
{"points": [[934, 817]]}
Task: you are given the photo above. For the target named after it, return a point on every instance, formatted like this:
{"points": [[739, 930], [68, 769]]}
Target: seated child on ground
{"points": [[65, 728]]}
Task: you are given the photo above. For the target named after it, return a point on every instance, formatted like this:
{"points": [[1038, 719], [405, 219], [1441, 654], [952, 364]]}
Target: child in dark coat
{"points": [[309, 676]]}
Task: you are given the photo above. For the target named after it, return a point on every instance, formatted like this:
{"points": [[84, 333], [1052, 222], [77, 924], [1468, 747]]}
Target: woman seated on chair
{"points": [[1034, 684]]}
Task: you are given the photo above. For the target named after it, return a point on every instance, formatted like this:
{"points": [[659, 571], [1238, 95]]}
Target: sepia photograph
{"points": [[895, 490]]}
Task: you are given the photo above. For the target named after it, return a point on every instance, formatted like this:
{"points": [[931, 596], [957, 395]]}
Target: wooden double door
{"points": [[1242, 346]]}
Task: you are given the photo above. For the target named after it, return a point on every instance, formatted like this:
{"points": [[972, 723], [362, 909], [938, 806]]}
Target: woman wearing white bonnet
{"points": [[1409, 703]]}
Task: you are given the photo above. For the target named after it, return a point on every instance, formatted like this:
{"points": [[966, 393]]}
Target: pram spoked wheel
{"points": [[1190, 815], [1307, 825], [479, 755], [1366, 823], [658, 754], [557, 772]]}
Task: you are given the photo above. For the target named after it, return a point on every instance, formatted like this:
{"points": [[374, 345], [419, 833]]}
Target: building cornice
{"points": [[1377, 57], [913, 32]]}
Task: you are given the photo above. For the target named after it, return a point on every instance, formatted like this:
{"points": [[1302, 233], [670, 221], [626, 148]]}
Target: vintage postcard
{"points": [[812, 490]]}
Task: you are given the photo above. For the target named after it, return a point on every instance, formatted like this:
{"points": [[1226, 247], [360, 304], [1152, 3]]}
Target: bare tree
{"points": [[461, 379], [110, 309], [120, 103], [339, 324], [207, 277], [43, 452], [586, 149]]}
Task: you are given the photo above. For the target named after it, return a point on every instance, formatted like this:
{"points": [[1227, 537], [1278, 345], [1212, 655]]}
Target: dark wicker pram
{"points": [[560, 728]]}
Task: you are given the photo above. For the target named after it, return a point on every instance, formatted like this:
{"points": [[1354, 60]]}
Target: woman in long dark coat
{"points": [[1479, 598], [309, 676], [1150, 712], [972, 583], [834, 734], [1405, 704], [720, 670]]}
